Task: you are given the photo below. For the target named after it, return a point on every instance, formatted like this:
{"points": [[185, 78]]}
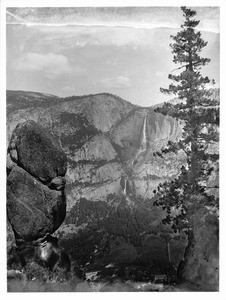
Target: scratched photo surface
{"points": [[108, 188]]}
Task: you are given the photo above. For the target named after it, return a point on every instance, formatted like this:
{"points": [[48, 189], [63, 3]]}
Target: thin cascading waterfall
{"points": [[124, 191], [144, 135], [143, 140]]}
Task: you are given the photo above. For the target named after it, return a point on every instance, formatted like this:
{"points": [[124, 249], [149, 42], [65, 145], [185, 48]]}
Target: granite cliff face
{"points": [[137, 137]]}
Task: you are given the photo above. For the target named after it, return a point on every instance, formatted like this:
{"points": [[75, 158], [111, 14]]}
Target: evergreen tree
{"points": [[199, 114]]}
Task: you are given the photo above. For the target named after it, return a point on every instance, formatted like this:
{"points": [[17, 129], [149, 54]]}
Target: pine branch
{"points": [[185, 66]]}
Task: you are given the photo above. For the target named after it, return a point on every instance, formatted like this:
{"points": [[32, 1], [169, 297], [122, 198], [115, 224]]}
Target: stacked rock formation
{"points": [[36, 166]]}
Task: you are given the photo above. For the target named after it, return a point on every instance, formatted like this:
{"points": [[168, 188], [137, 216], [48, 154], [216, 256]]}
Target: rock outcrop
{"points": [[36, 203], [201, 265]]}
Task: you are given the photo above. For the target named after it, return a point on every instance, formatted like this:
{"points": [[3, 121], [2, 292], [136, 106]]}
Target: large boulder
{"points": [[36, 165], [37, 151], [33, 208]]}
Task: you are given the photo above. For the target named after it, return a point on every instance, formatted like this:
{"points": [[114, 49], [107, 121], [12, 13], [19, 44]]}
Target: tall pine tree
{"points": [[199, 114]]}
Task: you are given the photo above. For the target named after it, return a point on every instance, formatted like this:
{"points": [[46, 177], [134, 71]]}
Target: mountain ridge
{"points": [[46, 96], [215, 94]]}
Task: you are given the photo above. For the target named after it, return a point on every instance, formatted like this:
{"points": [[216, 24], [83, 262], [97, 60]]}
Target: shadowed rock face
{"points": [[33, 209], [36, 203]]}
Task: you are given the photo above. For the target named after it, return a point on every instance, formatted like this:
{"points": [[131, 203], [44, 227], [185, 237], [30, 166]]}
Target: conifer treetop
{"points": [[200, 118]]}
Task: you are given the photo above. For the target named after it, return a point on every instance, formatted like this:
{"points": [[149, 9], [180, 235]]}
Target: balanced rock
{"points": [[36, 165]]}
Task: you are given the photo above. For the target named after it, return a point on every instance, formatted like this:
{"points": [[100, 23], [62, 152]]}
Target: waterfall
{"points": [[124, 191], [143, 140], [144, 135]]}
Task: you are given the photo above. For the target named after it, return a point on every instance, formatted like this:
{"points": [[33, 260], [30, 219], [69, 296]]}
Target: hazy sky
{"points": [[79, 51]]}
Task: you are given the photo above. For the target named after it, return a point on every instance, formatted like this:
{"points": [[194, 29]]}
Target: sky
{"points": [[86, 50]]}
